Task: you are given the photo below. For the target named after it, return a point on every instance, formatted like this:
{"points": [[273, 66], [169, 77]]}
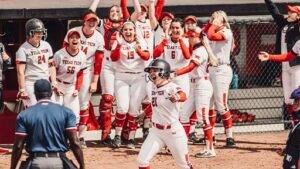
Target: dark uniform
{"points": [[45, 129], [292, 149]]}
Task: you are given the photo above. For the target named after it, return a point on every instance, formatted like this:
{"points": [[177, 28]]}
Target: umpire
{"points": [[46, 129], [292, 149]]}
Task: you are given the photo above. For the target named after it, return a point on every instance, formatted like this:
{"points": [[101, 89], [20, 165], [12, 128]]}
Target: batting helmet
{"points": [[162, 66], [35, 25], [296, 94], [42, 89]]}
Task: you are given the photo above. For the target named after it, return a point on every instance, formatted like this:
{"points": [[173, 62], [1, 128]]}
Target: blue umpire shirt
{"points": [[45, 125]]}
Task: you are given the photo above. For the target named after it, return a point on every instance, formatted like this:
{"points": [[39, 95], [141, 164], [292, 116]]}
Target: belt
{"points": [[132, 72], [63, 82], [193, 80], [161, 127], [57, 154]]}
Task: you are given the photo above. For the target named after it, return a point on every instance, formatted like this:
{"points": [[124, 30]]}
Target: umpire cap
{"points": [[296, 94], [42, 89]]}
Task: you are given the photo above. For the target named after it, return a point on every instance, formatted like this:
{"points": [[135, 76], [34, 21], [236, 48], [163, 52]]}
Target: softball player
{"points": [[292, 57], [110, 29], [92, 44], [200, 92], [175, 50], [70, 62], [166, 130], [221, 39], [33, 60], [128, 57]]}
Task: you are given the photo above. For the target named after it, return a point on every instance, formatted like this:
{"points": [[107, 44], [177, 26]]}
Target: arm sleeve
{"points": [[20, 125], [20, 56], [185, 49], [283, 57], [115, 54], [145, 55], [277, 16], [186, 69], [79, 80], [70, 120], [125, 12], [159, 8], [213, 35], [159, 49], [98, 62]]}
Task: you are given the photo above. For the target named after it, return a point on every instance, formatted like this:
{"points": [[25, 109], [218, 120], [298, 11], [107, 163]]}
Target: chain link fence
{"points": [[256, 97]]}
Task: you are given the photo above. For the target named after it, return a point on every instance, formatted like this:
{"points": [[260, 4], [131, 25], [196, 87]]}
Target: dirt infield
{"points": [[260, 151]]}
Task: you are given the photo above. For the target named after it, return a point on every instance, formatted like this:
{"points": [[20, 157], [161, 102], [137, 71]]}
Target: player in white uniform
{"points": [[292, 56], [109, 28], [221, 40], [92, 44], [166, 130], [128, 57], [175, 50], [200, 93], [33, 61], [70, 62]]}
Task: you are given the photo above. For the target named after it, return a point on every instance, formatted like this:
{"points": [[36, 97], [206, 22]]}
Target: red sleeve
{"points": [[159, 8], [115, 54], [79, 80], [205, 27], [283, 57], [213, 35], [98, 62], [191, 49], [145, 55], [182, 96], [159, 49], [185, 50], [186, 69], [125, 12]]}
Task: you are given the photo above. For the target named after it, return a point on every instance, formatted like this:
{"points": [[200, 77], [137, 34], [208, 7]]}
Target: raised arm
{"points": [[186, 69], [137, 10], [152, 15], [125, 12], [159, 8], [277, 16]]}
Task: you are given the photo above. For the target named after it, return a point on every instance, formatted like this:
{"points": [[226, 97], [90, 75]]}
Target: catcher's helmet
{"points": [[162, 66], [35, 25], [42, 89]]}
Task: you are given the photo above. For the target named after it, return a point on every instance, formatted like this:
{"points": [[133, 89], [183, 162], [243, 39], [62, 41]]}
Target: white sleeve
{"points": [[296, 48], [200, 56], [50, 51], [227, 33], [21, 55]]}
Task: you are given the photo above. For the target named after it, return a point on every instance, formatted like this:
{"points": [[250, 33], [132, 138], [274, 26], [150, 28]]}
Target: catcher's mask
{"points": [[35, 25]]}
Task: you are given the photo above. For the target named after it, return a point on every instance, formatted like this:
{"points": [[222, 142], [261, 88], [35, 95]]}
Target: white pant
{"points": [[84, 93], [201, 92], [174, 138], [68, 100], [295, 77], [287, 75], [107, 76], [130, 91], [220, 78], [29, 88]]}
